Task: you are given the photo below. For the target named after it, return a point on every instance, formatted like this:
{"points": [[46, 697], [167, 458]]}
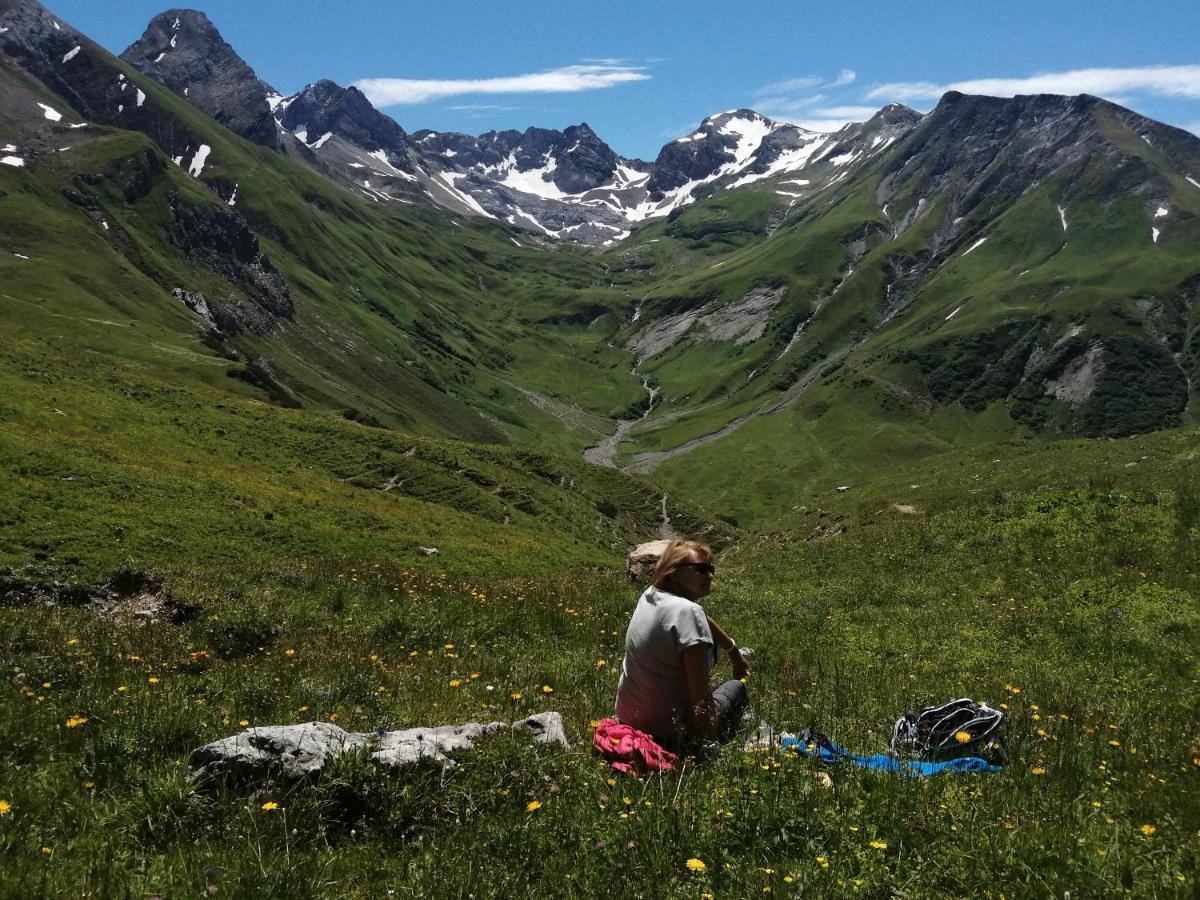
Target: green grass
{"points": [[1072, 604]]}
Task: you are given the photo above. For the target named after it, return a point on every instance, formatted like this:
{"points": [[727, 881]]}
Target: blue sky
{"points": [[644, 73]]}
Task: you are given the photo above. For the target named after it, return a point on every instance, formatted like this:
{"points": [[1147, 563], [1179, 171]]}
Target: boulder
{"points": [[643, 558], [296, 751]]}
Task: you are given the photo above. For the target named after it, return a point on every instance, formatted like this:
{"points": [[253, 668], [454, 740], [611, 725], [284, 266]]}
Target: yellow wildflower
{"points": [[153, 679], [76, 721], [1038, 770], [696, 865], [270, 805], [533, 806], [5, 807], [546, 689], [962, 737], [879, 845], [1148, 830]]}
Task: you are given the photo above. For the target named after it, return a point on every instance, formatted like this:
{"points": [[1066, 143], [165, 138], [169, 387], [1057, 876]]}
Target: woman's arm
{"points": [[725, 642], [695, 668]]}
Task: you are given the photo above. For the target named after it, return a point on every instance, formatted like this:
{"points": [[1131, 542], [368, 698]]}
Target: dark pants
{"points": [[729, 702]]}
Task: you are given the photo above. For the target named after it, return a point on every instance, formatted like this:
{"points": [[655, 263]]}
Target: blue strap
{"points": [[828, 752]]}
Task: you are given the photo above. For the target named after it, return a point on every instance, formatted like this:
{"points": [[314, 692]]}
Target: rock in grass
{"points": [[295, 751], [643, 558]]}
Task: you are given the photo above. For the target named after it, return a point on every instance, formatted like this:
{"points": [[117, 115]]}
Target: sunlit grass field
{"points": [[1060, 582]]}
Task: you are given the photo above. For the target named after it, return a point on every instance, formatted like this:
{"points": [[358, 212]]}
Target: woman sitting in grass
{"points": [[670, 646]]}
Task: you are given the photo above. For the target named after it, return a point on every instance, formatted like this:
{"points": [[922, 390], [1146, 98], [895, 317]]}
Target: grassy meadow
{"points": [[1058, 579]]}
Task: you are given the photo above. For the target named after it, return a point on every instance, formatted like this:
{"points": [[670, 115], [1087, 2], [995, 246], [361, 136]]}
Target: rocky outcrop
{"points": [[298, 751], [219, 238]]}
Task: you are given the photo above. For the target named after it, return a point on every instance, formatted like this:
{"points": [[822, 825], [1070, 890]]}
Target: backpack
{"points": [[955, 729]]}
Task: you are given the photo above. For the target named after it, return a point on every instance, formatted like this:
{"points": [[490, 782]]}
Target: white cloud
{"points": [[396, 91], [791, 85], [846, 76], [1167, 81], [1194, 128]]}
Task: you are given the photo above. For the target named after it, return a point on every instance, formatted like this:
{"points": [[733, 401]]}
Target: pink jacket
{"points": [[630, 750]]}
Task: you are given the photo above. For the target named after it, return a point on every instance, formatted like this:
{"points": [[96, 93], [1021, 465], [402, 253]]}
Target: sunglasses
{"points": [[702, 568]]}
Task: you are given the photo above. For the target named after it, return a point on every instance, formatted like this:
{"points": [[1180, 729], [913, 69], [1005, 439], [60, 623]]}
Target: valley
{"points": [[305, 416]]}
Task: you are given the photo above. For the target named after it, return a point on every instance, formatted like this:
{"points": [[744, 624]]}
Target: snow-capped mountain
{"points": [[565, 185]]}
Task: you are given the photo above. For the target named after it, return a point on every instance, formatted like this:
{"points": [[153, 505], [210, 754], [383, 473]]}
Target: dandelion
{"points": [[516, 695], [76, 721], [533, 806], [879, 845], [546, 689], [270, 805], [455, 682], [121, 688], [1148, 830], [5, 807], [88, 785], [243, 722], [1114, 743], [601, 663], [823, 862], [1038, 770], [289, 652], [696, 865], [962, 737], [153, 679]]}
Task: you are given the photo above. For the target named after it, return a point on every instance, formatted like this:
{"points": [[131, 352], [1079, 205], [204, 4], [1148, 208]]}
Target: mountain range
{"points": [[804, 307]]}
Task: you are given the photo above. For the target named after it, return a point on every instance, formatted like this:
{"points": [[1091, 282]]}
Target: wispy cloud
{"points": [[813, 102], [1163, 81], [569, 79]]}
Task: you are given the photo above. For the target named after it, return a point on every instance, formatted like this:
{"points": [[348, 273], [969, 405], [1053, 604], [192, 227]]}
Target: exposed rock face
{"points": [[218, 238], [184, 51], [297, 751]]}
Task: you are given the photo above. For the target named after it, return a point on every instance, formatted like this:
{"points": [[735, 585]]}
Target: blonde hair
{"points": [[673, 557]]}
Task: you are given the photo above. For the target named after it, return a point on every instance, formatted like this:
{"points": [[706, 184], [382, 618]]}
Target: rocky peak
{"points": [[183, 50], [325, 107], [721, 139]]}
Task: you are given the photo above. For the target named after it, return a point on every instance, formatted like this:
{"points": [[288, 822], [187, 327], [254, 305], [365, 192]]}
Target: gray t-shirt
{"points": [[652, 694]]}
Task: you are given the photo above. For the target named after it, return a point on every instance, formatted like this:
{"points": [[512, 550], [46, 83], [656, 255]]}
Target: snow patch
{"points": [[20, 256], [160, 56], [198, 161], [141, 97], [1192, 180], [381, 155], [51, 113], [233, 196], [79, 125], [175, 26], [9, 148], [978, 243], [173, 39], [57, 27], [801, 182], [302, 135], [953, 313], [1160, 212], [120, 108], [14, 161], [515, 241], [449, 178], [1026, 272], [105, 224], [1154, 233], [1062, 214], [72, 54], [320, 142], [3, 30], [841, 159]]}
